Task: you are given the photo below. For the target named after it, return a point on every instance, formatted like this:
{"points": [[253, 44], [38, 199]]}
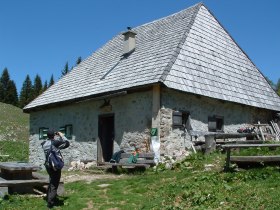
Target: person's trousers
{"points": [[53, 185]]}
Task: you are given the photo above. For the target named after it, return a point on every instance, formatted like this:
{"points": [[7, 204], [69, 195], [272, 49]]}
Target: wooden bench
{"points": [[212, 139], [252, 159], [21, 185], [144, 160], [38, 181]]}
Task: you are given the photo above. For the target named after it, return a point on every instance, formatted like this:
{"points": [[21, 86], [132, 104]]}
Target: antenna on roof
{"points": [[129, 28]]}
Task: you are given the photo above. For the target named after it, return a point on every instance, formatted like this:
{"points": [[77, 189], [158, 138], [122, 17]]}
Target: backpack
{"points": [[54, 158]]}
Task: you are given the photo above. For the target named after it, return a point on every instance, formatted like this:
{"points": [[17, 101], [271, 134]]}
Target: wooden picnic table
{"points": [[17, 170], [15, 174]]}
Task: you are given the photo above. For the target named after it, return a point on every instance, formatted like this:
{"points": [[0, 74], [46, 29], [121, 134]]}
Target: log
{"points": [[210, 144]]}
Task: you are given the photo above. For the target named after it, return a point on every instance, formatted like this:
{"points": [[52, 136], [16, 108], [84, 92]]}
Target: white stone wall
{"points": [[173, 140], [133, 120], [132, 114]]}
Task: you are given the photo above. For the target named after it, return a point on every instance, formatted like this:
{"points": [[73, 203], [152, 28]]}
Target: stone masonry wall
{"points": [[132, 114], [133, 119], [174, 140]]}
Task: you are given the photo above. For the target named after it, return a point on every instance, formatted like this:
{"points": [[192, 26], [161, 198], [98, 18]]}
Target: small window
{"points": [[43, 133], [180, 119], [216, 123], [177, 119], [67, 130]]}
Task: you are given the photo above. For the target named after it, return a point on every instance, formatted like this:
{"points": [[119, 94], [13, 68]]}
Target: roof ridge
{"points": [[162, 18], [181, 42]]}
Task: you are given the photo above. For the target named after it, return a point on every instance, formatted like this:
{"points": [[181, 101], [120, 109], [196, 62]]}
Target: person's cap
{"points": [[50, 133]]}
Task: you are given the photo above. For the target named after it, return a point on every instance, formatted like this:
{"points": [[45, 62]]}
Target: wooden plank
{"points": [[255, 159], [247, 142], [127, 164], [37, 175], [277, 135], [22, 183], [260, 129], [259, 124], [141, 155], [231, 135], [277, 128], [144, 160], [139, 161], [228, 146], [19, 166]]}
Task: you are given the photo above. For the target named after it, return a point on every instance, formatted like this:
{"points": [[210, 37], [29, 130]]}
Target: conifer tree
{"points": [[26, 93], [79, 60], [45, 86], [8, 90], [1, 92], [51, 82], [11, 96], [270, 82], [4, 80], [278, 87], [65, 70], [38, 87]]}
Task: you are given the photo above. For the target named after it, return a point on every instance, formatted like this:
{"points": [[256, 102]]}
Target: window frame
{"points": [[184, 121], [215, 123], [43, 131], [67, 130]]}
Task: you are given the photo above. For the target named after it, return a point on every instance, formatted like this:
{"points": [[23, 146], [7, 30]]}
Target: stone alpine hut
{"points": [[181, 71]]}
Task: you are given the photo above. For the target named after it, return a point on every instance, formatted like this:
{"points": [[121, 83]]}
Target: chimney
{"points": [[129, 41]]}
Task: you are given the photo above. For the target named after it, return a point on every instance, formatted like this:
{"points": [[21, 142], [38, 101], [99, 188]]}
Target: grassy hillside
{"points": [[14, 133], [14, 124]]}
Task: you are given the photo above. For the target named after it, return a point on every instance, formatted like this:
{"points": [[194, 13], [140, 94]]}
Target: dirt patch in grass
{"points": [[67, 178]]}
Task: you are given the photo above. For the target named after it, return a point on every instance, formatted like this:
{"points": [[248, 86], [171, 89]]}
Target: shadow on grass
{"points": [[59, 200]]}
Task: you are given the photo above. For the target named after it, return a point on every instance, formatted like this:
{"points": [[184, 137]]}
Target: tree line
{"points": [[276, 86], [29, 90]]}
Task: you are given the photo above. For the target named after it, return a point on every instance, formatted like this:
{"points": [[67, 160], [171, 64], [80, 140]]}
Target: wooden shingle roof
{"points": [[188, 51]]}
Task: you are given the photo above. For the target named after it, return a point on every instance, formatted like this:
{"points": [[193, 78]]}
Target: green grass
{"points": [[196, 183], [17, 151], [14, 133], [257, 151], [14, 124]]}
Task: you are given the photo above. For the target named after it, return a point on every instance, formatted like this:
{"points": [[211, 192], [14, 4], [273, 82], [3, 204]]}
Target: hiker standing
{"points": [[54, 175]]}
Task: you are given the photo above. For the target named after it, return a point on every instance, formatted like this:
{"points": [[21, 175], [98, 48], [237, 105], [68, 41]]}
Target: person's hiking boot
{"points": [[50, 205]]}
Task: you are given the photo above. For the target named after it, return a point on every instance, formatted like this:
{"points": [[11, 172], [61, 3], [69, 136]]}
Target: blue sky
{"points": [[39, 37]]}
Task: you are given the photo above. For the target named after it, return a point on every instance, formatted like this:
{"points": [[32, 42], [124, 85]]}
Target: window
{"points": [[181, 119], [216, 123], [43, 133], [67, 130]]}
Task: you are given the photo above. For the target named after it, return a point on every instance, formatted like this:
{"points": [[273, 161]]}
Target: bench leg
{"points": [[3, 191], [114, 169], [227, 160]]}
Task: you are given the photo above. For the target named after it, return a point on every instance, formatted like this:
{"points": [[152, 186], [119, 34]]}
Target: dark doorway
{"points": [[106, 134]]}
